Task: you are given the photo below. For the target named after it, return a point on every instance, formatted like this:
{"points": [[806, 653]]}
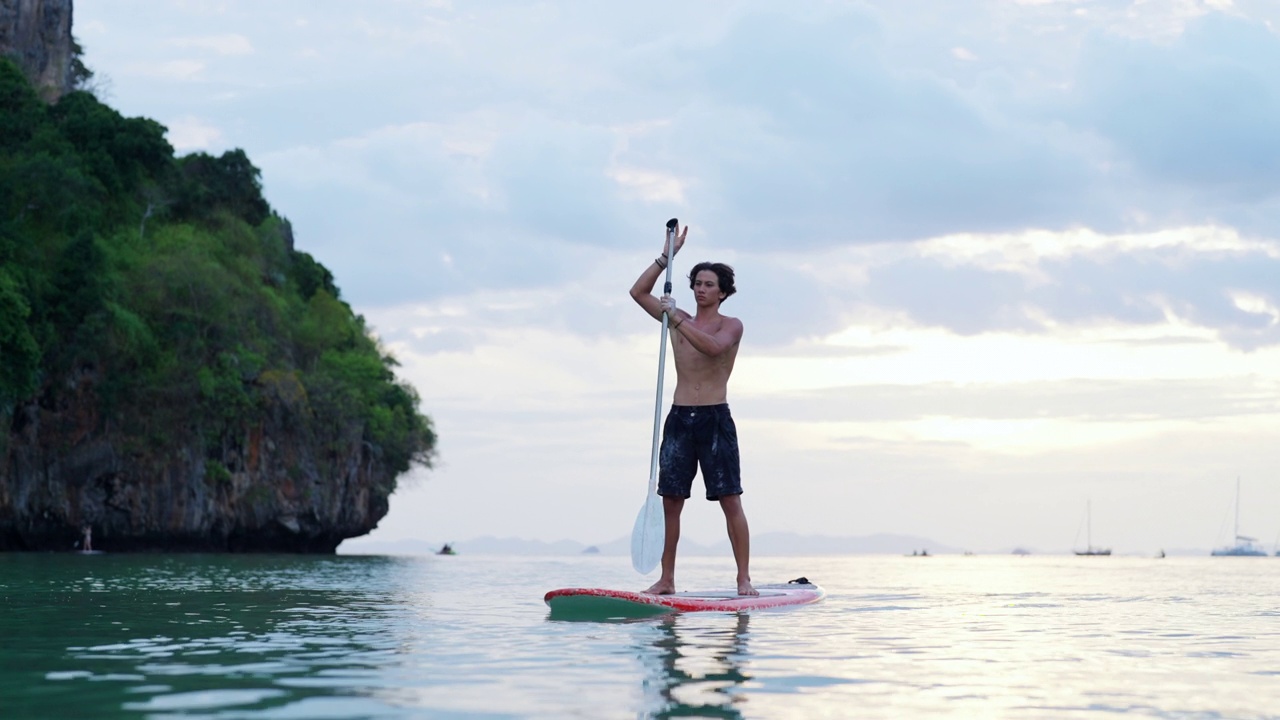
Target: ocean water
{"points": [[167, 636]]}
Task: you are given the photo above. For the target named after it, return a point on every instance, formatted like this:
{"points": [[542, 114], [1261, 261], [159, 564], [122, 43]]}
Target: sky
{"points": [[996, 259]]}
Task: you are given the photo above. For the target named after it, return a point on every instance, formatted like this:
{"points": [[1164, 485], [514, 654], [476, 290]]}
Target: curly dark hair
{"points": [[724, 275]]}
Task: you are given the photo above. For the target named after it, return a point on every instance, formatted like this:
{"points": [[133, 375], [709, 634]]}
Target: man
{"points": [[699, 430]]}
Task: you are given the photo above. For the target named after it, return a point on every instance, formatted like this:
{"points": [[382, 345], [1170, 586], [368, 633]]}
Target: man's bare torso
{"points": [[700, 379]]}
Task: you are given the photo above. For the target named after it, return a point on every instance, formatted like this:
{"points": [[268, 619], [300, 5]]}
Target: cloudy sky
{"points": [[996, 258]]}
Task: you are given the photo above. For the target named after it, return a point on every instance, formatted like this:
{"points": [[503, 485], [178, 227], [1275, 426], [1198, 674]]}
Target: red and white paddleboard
{"points": [[604, 602]]}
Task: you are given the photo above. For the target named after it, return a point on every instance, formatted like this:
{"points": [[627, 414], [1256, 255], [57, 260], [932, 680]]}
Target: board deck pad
{"points": [[607, 603]]}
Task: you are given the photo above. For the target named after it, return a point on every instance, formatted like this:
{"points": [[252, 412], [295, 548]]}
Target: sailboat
{"points": [[1244, 546], [1089, 548]]}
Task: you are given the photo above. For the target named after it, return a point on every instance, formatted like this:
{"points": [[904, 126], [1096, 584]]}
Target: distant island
{"points": [[764, 544], [174, 373]]}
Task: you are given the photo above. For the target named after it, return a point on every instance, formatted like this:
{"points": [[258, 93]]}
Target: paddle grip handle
{"points": [[673, 225]]}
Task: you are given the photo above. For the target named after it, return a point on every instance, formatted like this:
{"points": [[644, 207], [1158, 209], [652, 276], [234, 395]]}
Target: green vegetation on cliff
{"points": [[171, 284]]}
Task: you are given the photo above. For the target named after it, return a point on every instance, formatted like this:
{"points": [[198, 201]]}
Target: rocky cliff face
{"points": [[275, 491], [37, 35], [271, 468]]}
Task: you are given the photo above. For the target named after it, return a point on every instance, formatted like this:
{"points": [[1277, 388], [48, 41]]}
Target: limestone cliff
{"points": [[174, 374], [37, 35], [274, 490]]}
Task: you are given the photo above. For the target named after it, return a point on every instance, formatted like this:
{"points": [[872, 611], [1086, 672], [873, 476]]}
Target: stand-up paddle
{"points": [[648, 535]]}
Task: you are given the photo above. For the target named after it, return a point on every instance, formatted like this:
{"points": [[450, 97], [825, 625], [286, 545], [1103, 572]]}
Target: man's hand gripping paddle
{"points": [[648, 535]]}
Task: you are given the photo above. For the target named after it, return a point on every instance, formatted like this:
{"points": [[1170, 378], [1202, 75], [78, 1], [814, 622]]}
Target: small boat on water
{"points": [[447, 550], [1245, 546], [1088, 535]]}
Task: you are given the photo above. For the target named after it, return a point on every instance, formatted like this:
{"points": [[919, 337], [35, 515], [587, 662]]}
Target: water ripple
{"points": [[287, 637]]}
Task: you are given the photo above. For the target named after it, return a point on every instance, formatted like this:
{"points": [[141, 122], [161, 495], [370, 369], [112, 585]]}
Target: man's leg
{"points": [[671, 508], [740, 539]]}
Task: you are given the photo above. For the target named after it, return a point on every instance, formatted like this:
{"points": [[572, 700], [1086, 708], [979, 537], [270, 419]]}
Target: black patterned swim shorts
{"points": [[699, 435]]}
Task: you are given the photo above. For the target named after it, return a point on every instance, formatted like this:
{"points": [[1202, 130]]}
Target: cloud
{"points": [[652, 186], [1038, 282], [1207, 282], [92, 28], [510, 200], [1198, 112], [807, 123], [1255, 304], [806, 128], [1077, 400], [228, 44], [168, 70], [191, 133]]}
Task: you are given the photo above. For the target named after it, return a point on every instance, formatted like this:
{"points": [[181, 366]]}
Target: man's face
{"points": [[706, 289]]}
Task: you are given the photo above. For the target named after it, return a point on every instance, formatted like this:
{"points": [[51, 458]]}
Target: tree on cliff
{"points": [[169, 290]]}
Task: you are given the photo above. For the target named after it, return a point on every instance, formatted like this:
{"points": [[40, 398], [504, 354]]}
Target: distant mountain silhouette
{"points": [[764, 544]]}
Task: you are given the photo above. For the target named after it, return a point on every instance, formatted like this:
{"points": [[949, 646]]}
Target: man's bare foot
{"points": [[745, 588], [662, 587]]}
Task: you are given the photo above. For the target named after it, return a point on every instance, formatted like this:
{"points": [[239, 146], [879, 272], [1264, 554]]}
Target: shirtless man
{"points": [[699, 430]]}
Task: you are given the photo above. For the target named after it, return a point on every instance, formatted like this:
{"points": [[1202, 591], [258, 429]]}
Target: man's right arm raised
{"points": [[642, 291]]}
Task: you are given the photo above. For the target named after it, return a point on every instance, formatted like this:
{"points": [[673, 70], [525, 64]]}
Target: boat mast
{"points": [[1088, 525], [1237, 531]]}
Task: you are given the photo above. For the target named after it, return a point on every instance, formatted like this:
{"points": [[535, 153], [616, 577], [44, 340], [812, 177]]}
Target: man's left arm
{"points": [[711, 344]]}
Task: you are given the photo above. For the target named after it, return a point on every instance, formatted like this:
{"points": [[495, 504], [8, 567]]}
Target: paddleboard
{"points": [[608, 603]]}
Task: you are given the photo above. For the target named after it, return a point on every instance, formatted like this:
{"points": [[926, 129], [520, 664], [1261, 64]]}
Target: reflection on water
{"points": [[693, 662], [695, 665]]}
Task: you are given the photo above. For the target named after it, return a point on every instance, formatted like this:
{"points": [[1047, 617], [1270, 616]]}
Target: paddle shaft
{"points": [[672, 228]]}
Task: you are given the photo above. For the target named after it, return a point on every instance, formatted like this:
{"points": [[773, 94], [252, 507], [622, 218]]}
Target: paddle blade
{"points": [[647, 536]]}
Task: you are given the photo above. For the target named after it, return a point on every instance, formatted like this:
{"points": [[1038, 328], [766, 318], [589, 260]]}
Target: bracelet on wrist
{"points": [[661, 261]]}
